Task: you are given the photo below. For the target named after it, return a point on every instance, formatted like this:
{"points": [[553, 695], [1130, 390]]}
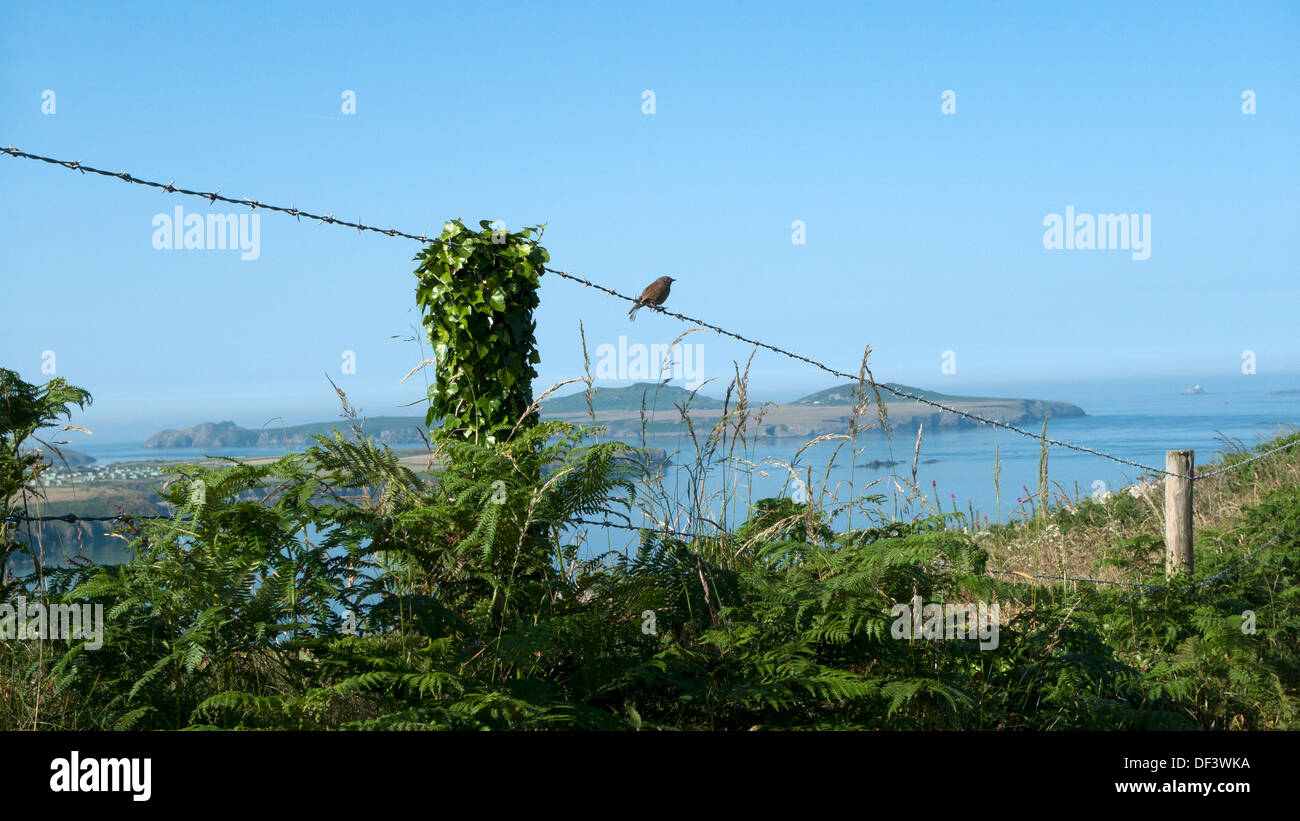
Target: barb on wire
{"points": [[295, 212]]}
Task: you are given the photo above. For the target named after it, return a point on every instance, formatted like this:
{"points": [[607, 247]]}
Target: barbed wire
{"points": [[902, 394], [1223, 573], [216, 196], [1149, 588], [72, 518], [1076, 579], [1209, 579], [625, 526], [1245, 462]]}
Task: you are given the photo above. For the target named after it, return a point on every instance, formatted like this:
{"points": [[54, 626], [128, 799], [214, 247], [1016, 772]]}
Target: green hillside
{"points": [[655, 395], [843, 395], [389, 429]]}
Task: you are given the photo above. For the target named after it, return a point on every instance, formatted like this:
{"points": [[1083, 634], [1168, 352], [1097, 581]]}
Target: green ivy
{"points": [[477, 291]]}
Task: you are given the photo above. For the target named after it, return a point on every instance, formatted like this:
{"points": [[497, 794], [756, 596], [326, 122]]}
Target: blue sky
{"points": [[924, 230]]}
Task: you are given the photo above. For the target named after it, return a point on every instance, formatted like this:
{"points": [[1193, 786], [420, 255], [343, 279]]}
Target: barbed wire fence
{"points": [[863, 379], [1143, 588]]}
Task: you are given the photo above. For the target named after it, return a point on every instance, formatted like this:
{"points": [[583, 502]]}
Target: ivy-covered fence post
{"points": [[476, 292]]}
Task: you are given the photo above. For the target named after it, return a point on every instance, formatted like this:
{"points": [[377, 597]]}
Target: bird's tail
{"points": [[631, 315]]}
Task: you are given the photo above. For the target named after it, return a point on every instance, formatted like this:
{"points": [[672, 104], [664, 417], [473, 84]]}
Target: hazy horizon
{"points": [[109, 427]]}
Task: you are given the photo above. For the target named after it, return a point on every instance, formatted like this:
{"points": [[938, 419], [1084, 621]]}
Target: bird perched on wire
{"points": [[654, 295]]}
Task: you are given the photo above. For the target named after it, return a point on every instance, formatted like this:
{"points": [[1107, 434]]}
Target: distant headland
{"points": [[621, 409]]}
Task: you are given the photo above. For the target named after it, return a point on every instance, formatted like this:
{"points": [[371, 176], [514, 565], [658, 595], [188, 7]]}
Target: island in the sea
{"points": [[657, 409], [828, 411]]}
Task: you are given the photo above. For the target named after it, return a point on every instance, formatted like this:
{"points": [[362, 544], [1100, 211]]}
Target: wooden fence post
{"points": [[1178, 512]]}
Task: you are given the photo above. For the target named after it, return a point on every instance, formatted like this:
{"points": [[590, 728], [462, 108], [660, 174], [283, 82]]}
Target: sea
{"points": [[1137, 420]]}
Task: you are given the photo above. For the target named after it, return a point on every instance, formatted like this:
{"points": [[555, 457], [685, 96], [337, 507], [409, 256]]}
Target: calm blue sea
{"points": [[107, 453], [1134, 419]]}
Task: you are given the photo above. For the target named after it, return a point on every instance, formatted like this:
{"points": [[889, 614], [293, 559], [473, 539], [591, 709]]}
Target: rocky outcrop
{"points": [[388, 431], [205, 435], [64, 457]]}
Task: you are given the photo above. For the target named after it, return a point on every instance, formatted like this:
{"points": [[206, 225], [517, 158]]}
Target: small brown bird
{"points": [[654, 295]]}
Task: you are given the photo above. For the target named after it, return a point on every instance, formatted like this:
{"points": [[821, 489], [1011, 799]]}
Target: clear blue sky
{"points": [[924, 230]]}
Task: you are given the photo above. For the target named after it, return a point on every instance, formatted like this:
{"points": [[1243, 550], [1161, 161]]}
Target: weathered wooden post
{"points": [[1178, 511]]}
